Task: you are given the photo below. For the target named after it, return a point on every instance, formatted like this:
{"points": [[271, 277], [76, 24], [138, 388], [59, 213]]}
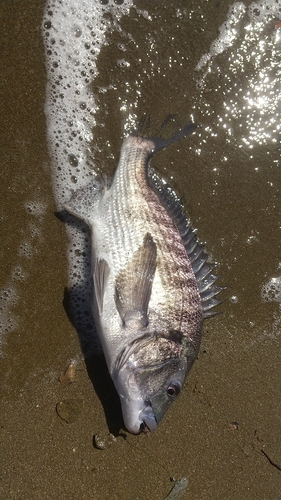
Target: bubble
{"points": [[8, 320], [73, 160], [256, 12], [8, 295], [18, 274], [77, 32], [263, 10], [228, 33], [271, 292], [38, 209], [35, 231], [25, 250], [122, 63], [252, 239], [47, 25]]}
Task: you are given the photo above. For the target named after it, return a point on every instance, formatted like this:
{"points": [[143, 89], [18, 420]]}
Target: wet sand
{"points": [[223, 433]]}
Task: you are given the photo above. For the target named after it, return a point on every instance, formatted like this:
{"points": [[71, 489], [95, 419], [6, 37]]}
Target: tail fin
{"points": [[159, 141]]}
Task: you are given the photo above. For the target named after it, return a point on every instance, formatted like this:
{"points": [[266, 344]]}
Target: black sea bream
{"points": [[153, 284]]}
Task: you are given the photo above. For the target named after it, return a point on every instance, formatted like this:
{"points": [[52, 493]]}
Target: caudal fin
{"points": [[161, 142]]}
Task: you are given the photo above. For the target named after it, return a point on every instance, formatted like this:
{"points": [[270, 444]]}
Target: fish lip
{"points": [[149, 421], [141, 419], [144, 428]]}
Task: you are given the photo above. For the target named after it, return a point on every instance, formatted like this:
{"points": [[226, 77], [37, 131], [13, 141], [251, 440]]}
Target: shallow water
{"points": [[229, 177]]}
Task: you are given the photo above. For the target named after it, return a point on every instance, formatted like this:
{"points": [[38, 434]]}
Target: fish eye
{"points": [[173, 389]]}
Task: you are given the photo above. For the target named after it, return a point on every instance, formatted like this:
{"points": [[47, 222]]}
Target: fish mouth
{"points": [[149, 421]]}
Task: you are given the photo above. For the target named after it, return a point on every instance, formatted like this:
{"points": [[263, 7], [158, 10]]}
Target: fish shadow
{"points": [[82, 320], [106, 392], [95, 363]]}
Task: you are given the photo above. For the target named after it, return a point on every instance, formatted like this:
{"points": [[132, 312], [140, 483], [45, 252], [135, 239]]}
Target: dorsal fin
{"points": [[195, 250]]}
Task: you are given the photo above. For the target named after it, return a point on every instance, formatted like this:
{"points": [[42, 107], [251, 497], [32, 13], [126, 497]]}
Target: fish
{"points": [[153, 284]]}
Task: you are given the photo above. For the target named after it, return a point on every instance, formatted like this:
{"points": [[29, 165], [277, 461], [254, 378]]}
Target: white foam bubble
{"points": [[271, 291], [261, 11], [227, 34], [74, 32], [27, 248], [36, 208], [264, 10], [18, 274], [8, 321]]}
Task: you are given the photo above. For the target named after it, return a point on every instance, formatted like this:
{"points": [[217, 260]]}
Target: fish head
{"points": [[149, 375]]}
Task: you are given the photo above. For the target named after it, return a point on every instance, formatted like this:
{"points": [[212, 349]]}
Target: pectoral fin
{"points": [[134, 283], [101, 274]]}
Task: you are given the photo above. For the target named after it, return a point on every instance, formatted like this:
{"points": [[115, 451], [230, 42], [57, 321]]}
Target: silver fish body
{"points": [[153, 285]]}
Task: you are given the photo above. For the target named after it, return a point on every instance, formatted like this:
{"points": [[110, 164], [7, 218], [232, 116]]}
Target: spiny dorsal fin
{"points": [[134, 283], [197, 255]]}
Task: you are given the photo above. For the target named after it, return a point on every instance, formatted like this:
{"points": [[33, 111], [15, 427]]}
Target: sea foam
{"points": [[74, 32]]}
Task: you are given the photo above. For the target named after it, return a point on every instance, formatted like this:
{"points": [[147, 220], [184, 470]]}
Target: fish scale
{"points": [[166, 240], [127, 239]]}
